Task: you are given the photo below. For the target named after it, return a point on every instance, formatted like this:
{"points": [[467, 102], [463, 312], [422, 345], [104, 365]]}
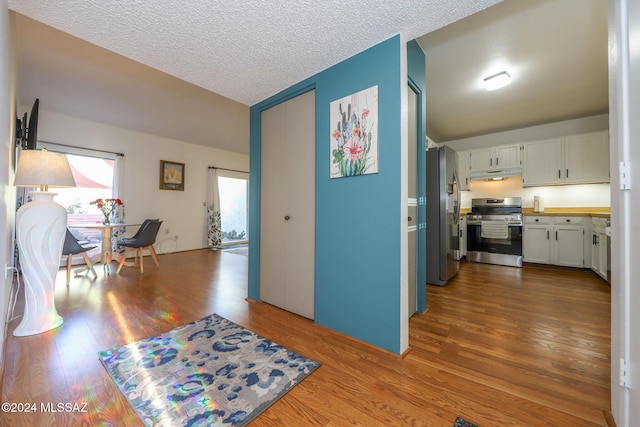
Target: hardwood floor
{"points": [[498, 346]]}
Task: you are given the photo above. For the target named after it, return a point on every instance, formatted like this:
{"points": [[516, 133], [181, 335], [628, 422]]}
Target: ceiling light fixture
{"points": [[497, 81]]}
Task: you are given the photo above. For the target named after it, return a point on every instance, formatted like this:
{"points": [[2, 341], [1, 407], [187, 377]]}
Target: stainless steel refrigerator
{"points": [[443, 215]]}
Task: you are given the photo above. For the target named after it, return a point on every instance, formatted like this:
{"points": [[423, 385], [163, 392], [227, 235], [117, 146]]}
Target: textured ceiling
{"points": [[75, 78], [245, 50], [189, 70]]}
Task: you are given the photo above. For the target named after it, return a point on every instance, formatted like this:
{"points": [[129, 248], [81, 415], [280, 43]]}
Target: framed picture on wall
{"points": [[171, 175]]}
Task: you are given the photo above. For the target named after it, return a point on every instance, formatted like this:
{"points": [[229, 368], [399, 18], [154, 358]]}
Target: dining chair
{"points": [[137, 233], [72, 247], [145, 239]]}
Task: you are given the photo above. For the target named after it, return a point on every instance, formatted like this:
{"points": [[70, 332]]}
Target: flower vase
{"points": [[106, 220]]}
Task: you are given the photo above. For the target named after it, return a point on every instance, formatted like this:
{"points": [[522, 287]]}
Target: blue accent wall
{"points": [[417, 71], [357, 254]]}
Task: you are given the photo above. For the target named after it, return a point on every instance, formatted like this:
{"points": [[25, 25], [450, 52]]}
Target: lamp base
{"points": [[40, 229], [34, 328]]}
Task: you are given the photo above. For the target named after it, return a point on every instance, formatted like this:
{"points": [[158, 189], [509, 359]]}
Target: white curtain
{"points": [[214, 234], [118, 193]]}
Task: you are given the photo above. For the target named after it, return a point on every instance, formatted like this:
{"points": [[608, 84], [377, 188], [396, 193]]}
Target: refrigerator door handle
{"points": [[456, 201]]}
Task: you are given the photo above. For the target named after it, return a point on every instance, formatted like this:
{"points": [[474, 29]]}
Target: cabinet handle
{"points": [[593, 239], [559, 176], [491, 161], [567, 173], [547, 234], [556, 235], [497, 160], [568, 220], [409, 219], [537, 219], [287, 217]]}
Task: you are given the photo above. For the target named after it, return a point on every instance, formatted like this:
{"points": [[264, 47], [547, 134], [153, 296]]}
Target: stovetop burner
{"points": [[505, 206], [507, 209]]}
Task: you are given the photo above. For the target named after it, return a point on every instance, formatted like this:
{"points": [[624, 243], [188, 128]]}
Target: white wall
{"points": [[7, 132], [559, 196], [567, 127], [183, 212]]}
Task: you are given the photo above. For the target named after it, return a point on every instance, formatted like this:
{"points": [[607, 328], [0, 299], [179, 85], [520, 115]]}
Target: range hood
{"points": [[497, 174]]}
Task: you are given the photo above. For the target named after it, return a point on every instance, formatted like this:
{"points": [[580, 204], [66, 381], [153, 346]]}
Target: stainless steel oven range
{"points": [[494, 231]]}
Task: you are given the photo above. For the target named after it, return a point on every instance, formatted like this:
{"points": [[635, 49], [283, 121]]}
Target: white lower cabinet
{"points": [[537, 243], [599, 248], [569, 245], [557, 240]]}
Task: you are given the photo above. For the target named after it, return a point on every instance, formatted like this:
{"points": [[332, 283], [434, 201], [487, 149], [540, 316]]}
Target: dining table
{"points": [[107, 255]]}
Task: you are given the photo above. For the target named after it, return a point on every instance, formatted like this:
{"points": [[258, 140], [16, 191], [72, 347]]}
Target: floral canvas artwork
{"points": [[354, 134]]}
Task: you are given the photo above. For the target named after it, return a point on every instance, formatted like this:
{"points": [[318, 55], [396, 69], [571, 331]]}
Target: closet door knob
{"points": [[410, 219]]}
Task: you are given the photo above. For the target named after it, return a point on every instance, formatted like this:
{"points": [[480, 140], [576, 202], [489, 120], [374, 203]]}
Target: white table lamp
{"points": [[40, 230]]}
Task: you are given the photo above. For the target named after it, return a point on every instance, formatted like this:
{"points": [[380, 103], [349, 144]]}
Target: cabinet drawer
{"points": [[538, 219], [568, 220]]}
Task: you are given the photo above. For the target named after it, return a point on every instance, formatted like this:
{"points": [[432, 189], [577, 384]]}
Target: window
{"points": [[94, 173], [233, 208]]}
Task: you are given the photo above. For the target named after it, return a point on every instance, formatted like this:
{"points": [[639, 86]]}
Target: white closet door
{"points": [[272, 205], [287, 200]]}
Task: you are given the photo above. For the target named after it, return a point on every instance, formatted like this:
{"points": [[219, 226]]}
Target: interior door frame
{"points": [[412, 199], [421, 252], [253, 285]]}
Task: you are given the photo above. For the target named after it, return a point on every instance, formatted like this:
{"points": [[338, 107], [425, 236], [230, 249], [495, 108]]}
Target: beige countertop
{"points": [[593, 212], [603, 212]]}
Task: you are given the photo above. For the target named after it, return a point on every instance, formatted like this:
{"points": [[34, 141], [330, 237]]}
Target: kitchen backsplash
{"points": [[560, 196]]}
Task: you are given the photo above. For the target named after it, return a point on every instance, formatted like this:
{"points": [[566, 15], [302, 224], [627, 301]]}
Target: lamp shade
{"points": [[43, 169]]}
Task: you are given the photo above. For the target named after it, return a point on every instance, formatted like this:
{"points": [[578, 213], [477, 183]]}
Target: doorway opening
{"points": [[234, 204]]}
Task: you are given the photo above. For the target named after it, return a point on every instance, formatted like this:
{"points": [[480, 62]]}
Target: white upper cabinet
{"points": [[494, 160], [463, 169], [542, 162], [508, 156], [482, 160], [573, 159], [587, 158]]}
